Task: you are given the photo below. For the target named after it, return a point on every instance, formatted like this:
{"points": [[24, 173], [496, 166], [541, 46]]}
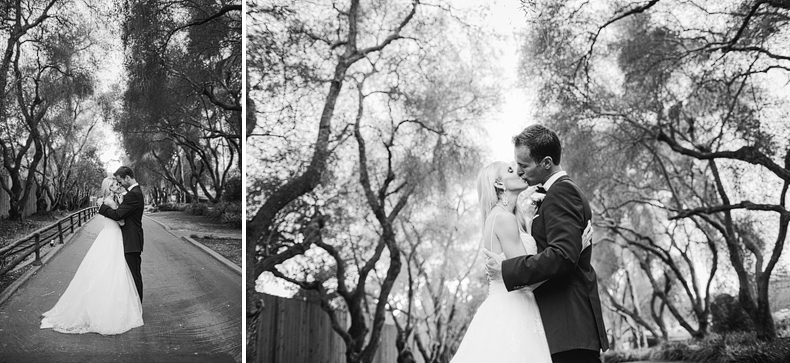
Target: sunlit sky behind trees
{"points": [[507, 20], [92, 85], [641, 93]]}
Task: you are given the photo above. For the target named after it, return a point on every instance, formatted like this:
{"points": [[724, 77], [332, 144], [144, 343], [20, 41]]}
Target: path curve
{"points": [[191, 308]]}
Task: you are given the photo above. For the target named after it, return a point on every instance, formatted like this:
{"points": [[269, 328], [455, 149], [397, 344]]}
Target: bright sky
{"points": [[515, 112], [110, 75]]}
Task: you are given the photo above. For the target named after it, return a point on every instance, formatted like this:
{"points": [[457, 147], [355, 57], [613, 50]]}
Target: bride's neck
{"points": [[511, 202]]}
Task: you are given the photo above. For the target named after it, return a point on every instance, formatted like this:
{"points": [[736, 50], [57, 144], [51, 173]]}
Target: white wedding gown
{"points": [[101, 297], [507, 326]]}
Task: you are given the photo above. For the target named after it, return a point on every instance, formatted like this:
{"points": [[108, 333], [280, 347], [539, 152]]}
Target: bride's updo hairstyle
{"points": [[487, 193]]}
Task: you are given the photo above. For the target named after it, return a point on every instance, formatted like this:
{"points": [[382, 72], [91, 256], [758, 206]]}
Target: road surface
{"points": [[192, 308]]}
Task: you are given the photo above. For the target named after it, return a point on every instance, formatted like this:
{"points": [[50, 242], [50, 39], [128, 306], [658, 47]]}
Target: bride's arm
{"points": [[506, 230], [535, 285]]}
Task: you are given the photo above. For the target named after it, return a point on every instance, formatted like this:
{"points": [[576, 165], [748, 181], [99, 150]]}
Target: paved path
{"points": [[191, 308]]}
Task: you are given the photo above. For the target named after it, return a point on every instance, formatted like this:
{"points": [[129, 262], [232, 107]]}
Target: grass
{"points": [[221, 237], [198, 224], [228, 248]]}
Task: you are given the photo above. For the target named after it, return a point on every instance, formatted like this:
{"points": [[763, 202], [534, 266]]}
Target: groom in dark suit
{"points": [[131, 210], [569, 303]]}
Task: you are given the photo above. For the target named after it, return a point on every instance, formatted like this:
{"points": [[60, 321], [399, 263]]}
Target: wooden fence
{"points": [[296, 331], [18, 250]]}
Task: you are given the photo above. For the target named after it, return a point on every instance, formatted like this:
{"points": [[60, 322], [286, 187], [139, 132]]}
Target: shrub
{"points": [[729, 348], [233, 189], [167, 207], [227, 212], [198, 209], [727, 316]]}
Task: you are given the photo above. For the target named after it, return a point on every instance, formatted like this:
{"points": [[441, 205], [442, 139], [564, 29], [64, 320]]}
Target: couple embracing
{"points": [[543, 303], [105, 295]]}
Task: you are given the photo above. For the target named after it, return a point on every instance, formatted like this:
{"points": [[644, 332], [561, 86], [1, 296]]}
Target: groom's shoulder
{"points": [[567, 187]]}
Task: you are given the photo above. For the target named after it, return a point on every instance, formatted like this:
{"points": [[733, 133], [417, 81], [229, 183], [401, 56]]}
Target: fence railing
{"points": [[33, 242]]}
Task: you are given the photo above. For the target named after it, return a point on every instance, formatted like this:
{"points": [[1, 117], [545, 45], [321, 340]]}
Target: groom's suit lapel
{"points": [[539, 222]]}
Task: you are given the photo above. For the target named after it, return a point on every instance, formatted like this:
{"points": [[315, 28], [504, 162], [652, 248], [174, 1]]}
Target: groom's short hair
{"points": [[541, 142], [123, 172]]}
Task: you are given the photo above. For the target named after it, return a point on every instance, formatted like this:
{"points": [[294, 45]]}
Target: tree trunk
{"points": [[762, 318]]}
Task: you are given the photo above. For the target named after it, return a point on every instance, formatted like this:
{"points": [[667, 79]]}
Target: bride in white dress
{"points": [[507, 326], [101, 297]]}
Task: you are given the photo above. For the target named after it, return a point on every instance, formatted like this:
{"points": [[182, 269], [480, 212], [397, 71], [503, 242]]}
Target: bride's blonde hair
{"points": [[105, 186], [487, 193]]}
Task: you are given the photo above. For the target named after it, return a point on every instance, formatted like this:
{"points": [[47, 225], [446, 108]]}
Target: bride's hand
{"points": [[527, 204]]}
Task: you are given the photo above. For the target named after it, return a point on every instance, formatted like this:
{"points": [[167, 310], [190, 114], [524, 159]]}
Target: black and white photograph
{"points": [[450, 181], [121, 202]]}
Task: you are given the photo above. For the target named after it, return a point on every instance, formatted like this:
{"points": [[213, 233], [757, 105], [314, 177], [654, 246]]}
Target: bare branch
{"points": [[722, 208], [749, 154]]}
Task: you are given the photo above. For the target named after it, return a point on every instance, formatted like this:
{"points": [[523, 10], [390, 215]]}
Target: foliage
{"points": [[167, 207], [742, 347], [226, 212], [394, 109], [198, 209], [443, 285], [50, 105], [681, 102], [181, 116], [728, 316], [233, 189]]}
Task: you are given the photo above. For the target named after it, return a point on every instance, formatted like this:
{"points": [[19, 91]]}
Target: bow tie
{"points": [[540, 190]]}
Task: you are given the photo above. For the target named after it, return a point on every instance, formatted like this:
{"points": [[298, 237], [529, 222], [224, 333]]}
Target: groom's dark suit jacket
{"points": [[131, 210], [569, 303]]}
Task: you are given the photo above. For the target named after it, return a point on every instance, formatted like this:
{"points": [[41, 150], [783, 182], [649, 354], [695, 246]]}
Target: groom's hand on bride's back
{"points": [[493, 263], [587, 236]]}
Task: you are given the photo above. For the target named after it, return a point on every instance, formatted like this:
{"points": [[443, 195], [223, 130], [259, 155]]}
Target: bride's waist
{"points": [[111, 223], [496, 287]]}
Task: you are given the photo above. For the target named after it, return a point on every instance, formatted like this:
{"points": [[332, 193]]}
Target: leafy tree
{"points": [[444, 283], [331, 224], [38, 77], [183, 97], [691, 83]]}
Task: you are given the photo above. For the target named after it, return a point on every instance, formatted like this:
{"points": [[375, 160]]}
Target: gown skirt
{"points": [[101, 297]]}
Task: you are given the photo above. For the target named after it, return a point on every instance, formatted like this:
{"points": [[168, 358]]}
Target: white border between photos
{"points": [[244, 181]]}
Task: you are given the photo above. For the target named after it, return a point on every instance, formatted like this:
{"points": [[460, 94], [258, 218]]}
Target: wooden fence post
{"points": [[79, 219], [60, 232], [37, 262], [71, 223]]}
